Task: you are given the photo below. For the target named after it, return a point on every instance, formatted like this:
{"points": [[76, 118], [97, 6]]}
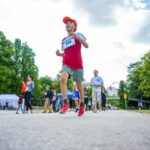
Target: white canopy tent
{"points": [[11, 99]]}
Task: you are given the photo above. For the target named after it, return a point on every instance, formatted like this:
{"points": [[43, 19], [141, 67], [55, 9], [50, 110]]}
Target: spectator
{"points": [[48, 98], [29, 86], [104, 94], [54, 100], [96, 84], [20, 101]]}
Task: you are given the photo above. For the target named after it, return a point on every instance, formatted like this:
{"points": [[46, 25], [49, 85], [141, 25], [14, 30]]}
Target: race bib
{"points": [[70, 41]]}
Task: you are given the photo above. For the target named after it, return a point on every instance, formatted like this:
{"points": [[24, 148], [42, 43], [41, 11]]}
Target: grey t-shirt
{"points": [[29, 86]]}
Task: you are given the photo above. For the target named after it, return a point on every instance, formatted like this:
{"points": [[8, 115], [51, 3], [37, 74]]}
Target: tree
{"points": [[45, 81], [134, 80], [144, 76], [28, 63], [17, 57], [16, 63], [6, 64], [139, 78], [122, 91]]}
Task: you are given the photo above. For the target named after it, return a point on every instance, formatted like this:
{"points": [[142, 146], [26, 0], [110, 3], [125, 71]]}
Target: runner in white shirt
{"points": [[96, 84]]}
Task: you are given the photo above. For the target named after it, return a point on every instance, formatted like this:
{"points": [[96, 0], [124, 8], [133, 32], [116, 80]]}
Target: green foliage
{"points": [[6, 64], [144, 76], [45, 81], [134, 80], [113, 103], [139, 78], [16, 63], [122, 90], [88, 88]]}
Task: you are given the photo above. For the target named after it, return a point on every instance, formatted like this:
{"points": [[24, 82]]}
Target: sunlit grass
{"points": [[141, 111]]}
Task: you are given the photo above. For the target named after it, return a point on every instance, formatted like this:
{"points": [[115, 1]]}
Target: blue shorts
{"points": [[76, 94]]}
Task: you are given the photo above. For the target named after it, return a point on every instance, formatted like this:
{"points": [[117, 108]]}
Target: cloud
{"points": [[101, 12], [104, 12], [143, 34], [119, 45]]}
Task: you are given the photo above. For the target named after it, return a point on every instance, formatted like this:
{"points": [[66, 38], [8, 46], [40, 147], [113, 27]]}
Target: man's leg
{"points": [[81, 92], [64, 79], [94, 99], [45, 106], [63, 84], [21, 108], [48, 106], [86, 103], [26, 102], [99, 100], [18, 109]]}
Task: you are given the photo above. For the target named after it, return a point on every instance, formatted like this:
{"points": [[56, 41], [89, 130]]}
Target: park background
{"points": [[117, 32]]}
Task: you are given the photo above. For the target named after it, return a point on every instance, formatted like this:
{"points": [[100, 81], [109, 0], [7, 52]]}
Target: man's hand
{"points": [[58, 53], [84, 43], [75, 36], [97, 85]]}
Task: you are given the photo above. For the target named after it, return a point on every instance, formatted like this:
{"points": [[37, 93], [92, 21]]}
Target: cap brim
{"points": [[65, 19]]}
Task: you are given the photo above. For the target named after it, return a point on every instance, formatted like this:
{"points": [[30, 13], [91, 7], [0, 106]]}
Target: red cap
{"points": [[65, 19]]}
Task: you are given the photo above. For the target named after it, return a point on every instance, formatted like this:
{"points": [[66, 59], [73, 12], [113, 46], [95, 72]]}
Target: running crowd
{"points": [[72, 66]]}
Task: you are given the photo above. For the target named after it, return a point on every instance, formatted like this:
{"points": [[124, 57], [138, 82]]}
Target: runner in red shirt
{"points": [[72, 64]]}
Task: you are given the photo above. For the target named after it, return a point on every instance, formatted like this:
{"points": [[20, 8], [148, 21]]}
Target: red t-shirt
{"points": [[72, 52]]}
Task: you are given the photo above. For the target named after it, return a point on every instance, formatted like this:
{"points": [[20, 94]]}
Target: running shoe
{"points": [[81, 110], [64, 108]]}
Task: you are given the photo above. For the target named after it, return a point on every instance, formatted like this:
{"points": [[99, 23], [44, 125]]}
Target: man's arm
{"points": [[83, 42], [91, 83], [58, 53], [98, 85]]}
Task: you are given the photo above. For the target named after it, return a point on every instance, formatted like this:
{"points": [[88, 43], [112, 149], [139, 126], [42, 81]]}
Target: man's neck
{"points": [[70, 32]]}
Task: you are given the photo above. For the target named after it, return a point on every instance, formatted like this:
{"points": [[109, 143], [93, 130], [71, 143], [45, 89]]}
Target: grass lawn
{"points": [[141, 111]]}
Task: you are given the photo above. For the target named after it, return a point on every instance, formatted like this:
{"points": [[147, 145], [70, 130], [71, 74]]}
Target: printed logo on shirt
{"points": [[70, 41]]}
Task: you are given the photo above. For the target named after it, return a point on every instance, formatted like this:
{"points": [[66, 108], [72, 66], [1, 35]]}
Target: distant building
{"points": [[112, 91]]}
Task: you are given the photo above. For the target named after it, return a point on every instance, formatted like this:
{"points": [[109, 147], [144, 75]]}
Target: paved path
{"points": [[111, 130]]}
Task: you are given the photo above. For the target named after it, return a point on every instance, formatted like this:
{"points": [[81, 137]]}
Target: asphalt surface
{"points": [[110, 130]]}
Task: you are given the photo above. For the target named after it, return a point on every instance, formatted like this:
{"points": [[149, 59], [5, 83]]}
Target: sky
{"points": [[117, 31]]}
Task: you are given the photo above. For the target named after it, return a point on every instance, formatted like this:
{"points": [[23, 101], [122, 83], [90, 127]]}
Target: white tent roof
{"points": [[12, 99]]}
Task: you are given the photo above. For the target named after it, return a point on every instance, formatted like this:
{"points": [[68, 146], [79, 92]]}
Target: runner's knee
{"points": [[64, 77]]}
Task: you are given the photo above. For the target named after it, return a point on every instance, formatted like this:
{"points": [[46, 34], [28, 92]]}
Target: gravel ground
{"points": [[110, 130]]}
